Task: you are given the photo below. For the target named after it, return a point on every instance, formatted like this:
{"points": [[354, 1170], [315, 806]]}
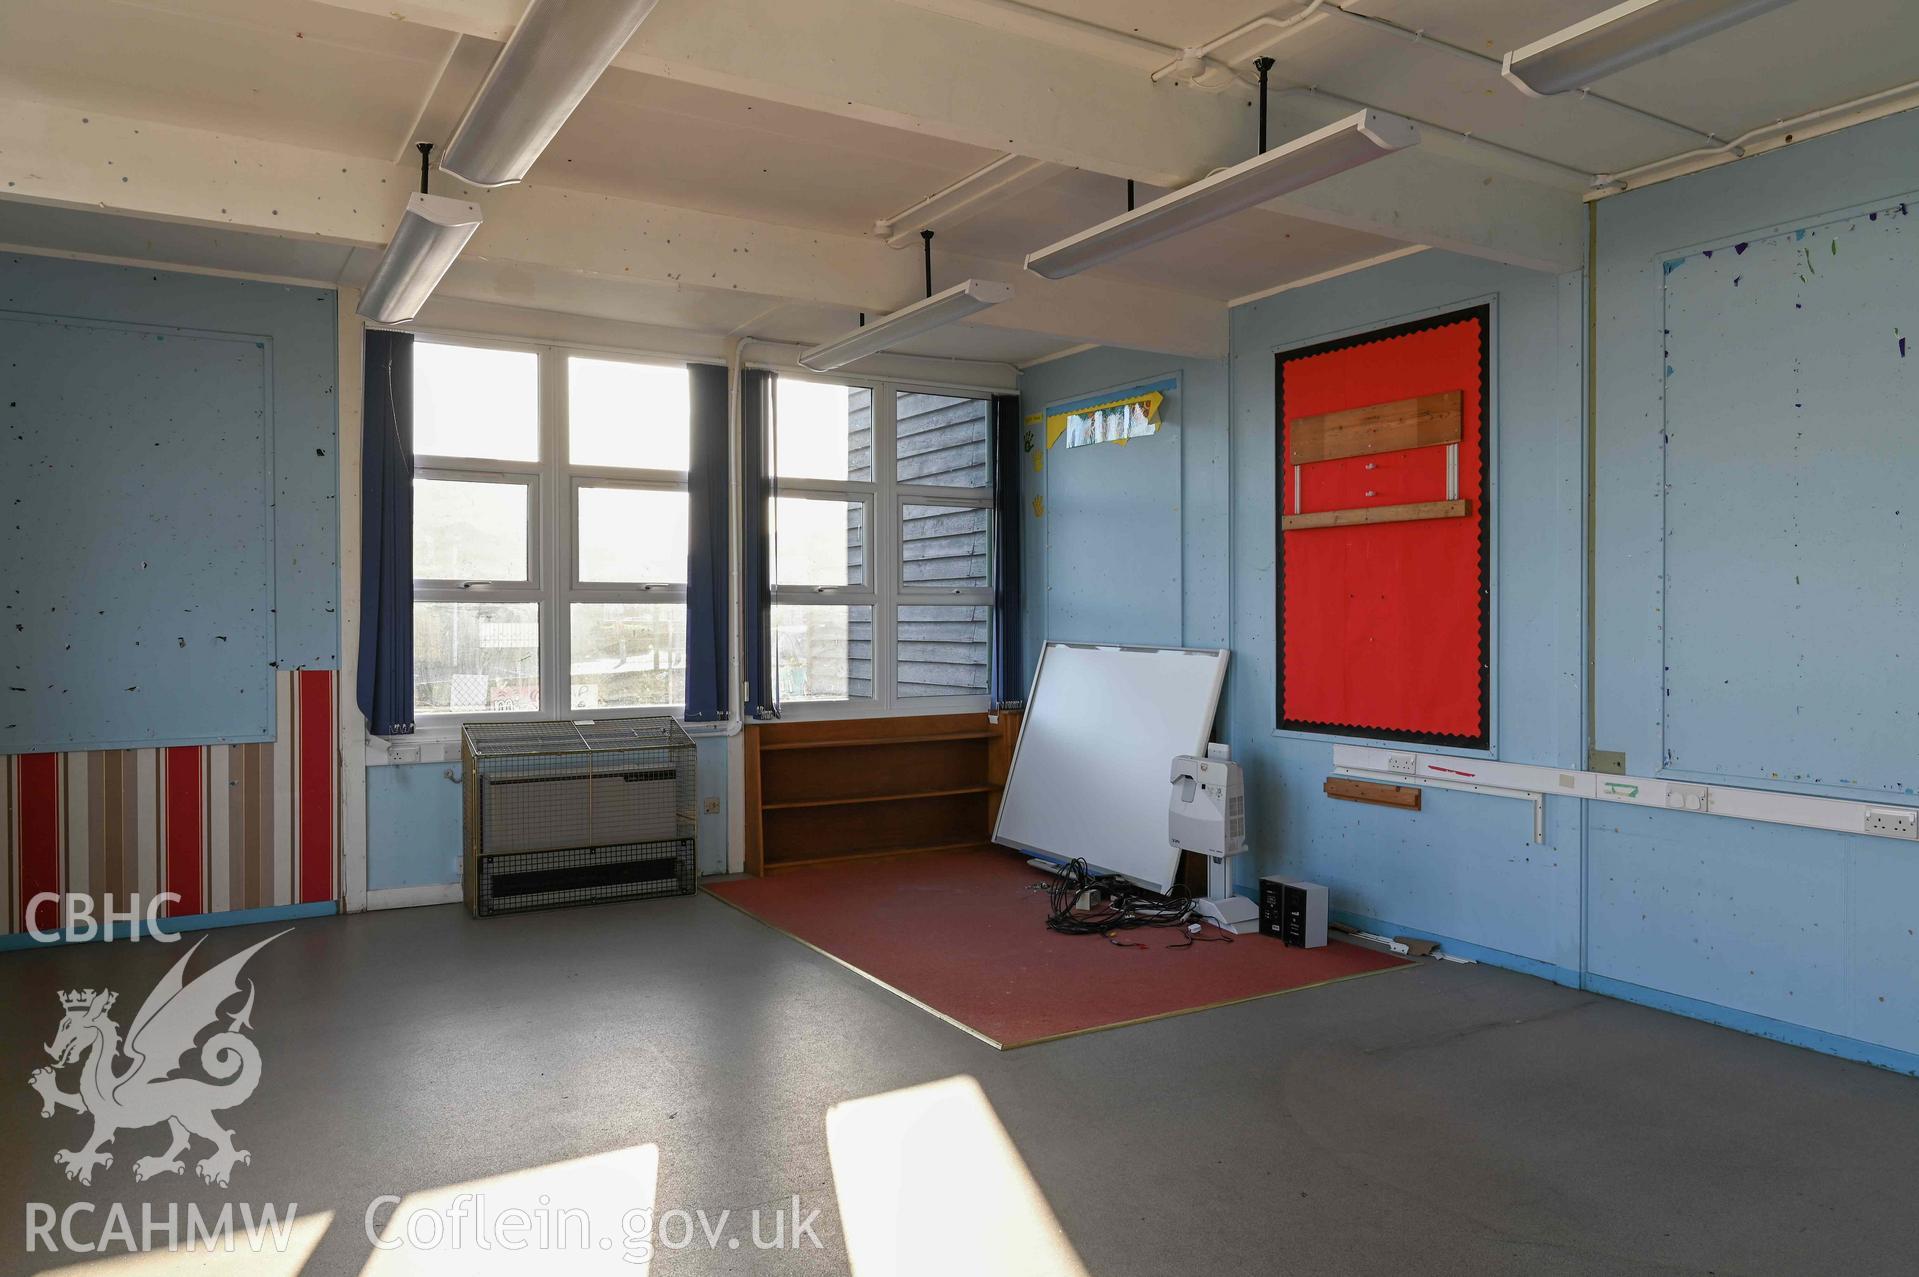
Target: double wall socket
{"points": [[1896, 822], [1688, 797], [1404, 764]]}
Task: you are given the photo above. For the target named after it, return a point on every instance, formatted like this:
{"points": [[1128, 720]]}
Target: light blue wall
{"points": [[169, 469], [1792, 933], [412, 826], [1813, 929], [1155, 571], [1465, 866], [413, 820]]}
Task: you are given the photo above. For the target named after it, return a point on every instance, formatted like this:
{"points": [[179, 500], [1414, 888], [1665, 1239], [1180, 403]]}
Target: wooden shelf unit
{"points": [[854, 789]]}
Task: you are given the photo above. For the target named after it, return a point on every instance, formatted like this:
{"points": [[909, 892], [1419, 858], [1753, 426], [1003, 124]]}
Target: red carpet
{"points": [[960, 934]]}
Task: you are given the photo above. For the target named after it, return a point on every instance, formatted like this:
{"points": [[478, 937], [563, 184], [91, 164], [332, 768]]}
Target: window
{"points": [[882, 581], [550, 532]]}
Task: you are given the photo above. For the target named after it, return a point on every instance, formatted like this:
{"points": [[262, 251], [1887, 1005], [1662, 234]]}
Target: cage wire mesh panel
{"points": [[563, 813]]}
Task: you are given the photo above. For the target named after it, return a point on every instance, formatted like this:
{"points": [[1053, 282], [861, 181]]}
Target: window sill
{"points": [[439, 742], [809, 711]]}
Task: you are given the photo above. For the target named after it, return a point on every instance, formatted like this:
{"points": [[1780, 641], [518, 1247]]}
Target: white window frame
{"points": [[885, 588], [552, 550]]}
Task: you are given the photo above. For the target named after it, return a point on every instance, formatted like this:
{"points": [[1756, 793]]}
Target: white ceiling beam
{"points": [[966, 199], [911, 68], [1444, 194], [917, 67], [535, 236]]}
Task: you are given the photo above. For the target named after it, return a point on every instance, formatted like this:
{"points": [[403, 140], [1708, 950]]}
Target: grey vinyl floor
{"points": [[1443, 1119]]}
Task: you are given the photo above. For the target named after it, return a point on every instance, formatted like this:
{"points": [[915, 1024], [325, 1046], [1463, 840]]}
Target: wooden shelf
{"points": [[879, 798], [867, 742], [809, 801], [879, 853]]}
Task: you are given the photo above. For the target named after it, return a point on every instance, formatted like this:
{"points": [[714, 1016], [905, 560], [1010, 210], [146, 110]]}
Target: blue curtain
{"points": [[1006, 674], [386, 536], [756, 495], [707, 567]]}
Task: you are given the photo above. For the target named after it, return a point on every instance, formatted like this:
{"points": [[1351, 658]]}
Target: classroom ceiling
{"points": [[859, 110]]}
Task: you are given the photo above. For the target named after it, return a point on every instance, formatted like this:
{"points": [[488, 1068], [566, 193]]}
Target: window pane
{"points": [[469, 658], [941, 441], [823, 653], [632, 534], [818, 542], [627, 655], [943, 547], [466, 531], [472, 402], [822, 431], [943, 650], [621, 414]]}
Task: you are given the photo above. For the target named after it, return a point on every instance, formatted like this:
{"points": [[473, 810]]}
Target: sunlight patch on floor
{"points": [[930, 1183], [590, 1215]]}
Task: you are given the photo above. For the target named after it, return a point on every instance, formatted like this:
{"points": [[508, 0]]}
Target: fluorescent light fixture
{"points": [[1619, 37], [551, 60], [432, 232], [937, 311], [1321, 154]]}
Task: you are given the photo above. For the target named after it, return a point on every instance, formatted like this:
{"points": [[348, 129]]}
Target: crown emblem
{"points": [[81, 999]]}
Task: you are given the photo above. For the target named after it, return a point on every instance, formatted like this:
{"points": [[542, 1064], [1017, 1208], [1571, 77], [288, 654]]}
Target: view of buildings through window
{"points": [[551, 516], [914, 603]]}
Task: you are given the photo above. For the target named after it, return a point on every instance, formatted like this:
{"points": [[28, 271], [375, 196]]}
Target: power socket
{"points": [[1688, 797], [1894, 822], [1404, 764]]}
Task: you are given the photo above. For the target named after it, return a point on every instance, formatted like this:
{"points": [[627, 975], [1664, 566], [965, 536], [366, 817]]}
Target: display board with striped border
{"points": [[225, 827]]}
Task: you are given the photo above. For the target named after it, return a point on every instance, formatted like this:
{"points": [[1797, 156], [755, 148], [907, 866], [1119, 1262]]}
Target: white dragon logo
{"points": [[147, 1092]]}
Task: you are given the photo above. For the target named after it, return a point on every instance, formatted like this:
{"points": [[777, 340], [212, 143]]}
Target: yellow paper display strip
{"points": [[1056, 424]]}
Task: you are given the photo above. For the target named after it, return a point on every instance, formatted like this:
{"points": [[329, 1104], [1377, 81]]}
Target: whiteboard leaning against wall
{"points": [[1102, 727]]}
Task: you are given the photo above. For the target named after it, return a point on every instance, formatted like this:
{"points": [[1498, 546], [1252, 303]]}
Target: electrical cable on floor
{"points": [[1088, 904]]}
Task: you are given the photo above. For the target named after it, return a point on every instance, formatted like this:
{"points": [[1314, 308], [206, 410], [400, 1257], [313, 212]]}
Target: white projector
{"points": [[1206, 813], [1208, 810]]}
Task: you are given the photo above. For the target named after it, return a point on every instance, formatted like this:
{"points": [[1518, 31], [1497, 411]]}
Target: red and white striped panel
{"points": [[223, 826]]}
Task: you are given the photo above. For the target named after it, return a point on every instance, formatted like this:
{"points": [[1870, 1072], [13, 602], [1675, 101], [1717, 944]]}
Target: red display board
{"points": [[1383, 626]]}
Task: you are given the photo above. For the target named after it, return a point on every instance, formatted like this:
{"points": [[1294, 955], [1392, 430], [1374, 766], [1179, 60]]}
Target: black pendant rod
{"points": [[425, 148], [1263, 66], [926, 239]]}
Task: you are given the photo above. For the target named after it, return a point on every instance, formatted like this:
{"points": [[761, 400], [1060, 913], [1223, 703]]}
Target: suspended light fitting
{"points": [[552, 58], [938, 310], [1355, 140], [430, 236], [1620, 37]]}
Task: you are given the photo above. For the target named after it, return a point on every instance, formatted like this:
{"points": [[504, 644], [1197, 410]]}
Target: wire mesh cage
{"points": [[562, 813]]}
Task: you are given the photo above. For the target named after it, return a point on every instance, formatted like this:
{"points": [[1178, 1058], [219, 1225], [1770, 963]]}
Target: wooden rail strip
{"points": [[1376, 514], [1384, 427], [1405, 797]]}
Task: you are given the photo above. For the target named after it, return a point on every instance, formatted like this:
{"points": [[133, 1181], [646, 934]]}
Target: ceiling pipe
{"points": [[1263, 23], [1024, 19], [1004, 178], [1291, 25], [1498, 65], [1583, 176], [1828, 119]]}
